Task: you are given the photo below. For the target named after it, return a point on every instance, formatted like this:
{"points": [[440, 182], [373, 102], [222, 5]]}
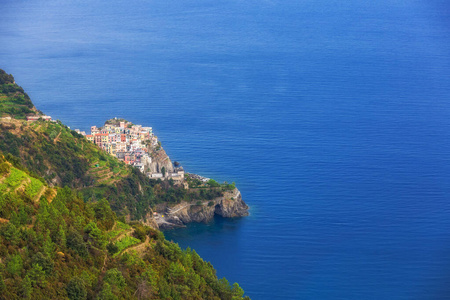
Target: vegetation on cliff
{"points": [[61, 199], [13, 100]]}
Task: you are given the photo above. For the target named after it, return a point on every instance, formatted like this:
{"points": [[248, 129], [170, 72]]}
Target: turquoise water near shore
{"points": [[333, 119]]}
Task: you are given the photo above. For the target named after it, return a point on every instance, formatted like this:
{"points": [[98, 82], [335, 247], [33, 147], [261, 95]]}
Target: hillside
{"points": [[65, 211], [53, 245], [14, 101]]}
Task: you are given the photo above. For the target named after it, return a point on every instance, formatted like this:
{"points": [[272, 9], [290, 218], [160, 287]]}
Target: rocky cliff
{"points": [[230, 205], [160, 159]]}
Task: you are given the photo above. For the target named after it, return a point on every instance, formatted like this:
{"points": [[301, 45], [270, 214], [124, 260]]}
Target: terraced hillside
{"points": [[17, 187]]}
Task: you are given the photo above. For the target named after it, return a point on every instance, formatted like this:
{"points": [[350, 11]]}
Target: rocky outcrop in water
{"points": [[230, 205]]}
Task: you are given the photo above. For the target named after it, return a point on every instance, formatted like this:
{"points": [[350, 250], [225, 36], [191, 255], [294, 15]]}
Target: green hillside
{"points": [[14, 101]]}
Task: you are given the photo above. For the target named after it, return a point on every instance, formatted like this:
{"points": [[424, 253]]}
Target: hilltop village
{"points": [[135, 145]]}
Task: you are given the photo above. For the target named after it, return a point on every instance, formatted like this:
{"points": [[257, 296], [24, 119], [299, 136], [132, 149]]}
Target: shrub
{"points": [[112, 248], [75, 242], [140, 232], [115, 278], [15, 265], [4, 168], [213, 183]]}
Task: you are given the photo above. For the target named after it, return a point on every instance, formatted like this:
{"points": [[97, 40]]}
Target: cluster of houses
{"points": [[124, 140], [129, 143], [35, 118]]}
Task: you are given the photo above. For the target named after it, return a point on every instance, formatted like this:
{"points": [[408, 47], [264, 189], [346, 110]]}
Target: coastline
{"points": [[138, 147], [230, 205]]}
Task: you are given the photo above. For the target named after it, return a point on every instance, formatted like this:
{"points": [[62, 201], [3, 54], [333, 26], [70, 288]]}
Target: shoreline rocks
{"points": [[230, 205]]}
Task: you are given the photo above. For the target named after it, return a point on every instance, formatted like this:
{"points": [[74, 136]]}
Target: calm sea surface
{"points": [[332, 117]]}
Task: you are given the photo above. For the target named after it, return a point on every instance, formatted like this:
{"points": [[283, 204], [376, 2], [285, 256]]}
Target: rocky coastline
{"points": [[201, 198], [230, 205]]}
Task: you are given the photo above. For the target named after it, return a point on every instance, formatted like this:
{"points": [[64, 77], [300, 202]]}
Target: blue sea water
{"points": [[332, 117]]}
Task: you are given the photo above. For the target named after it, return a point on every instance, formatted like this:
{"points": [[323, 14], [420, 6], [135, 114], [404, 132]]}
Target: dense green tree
{"points": [[26, 287], [4, 168], [37, 276], [176, 273], [75, 242], [15, 265], [237, 291], [115, 278], [151, 278], [112, 248], [48, 247], [61, 236], [95, 236], [14, 219], [2, 283], [104, 213], [213, 183], [106, 293], [10, 233], [140, 232], [23, 215], [45, 261], [76, 289]]}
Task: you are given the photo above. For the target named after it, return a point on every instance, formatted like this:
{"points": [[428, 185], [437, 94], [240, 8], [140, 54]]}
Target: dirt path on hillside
{"points": [[123, 234], [52, 196], [139, 248], [22, 184], [56, 139], [37, 128], [39, 195], [103, 179], [171, 211]]}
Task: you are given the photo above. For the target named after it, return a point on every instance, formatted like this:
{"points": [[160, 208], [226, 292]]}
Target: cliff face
{"points": [[160, 159], [230, 205]]}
